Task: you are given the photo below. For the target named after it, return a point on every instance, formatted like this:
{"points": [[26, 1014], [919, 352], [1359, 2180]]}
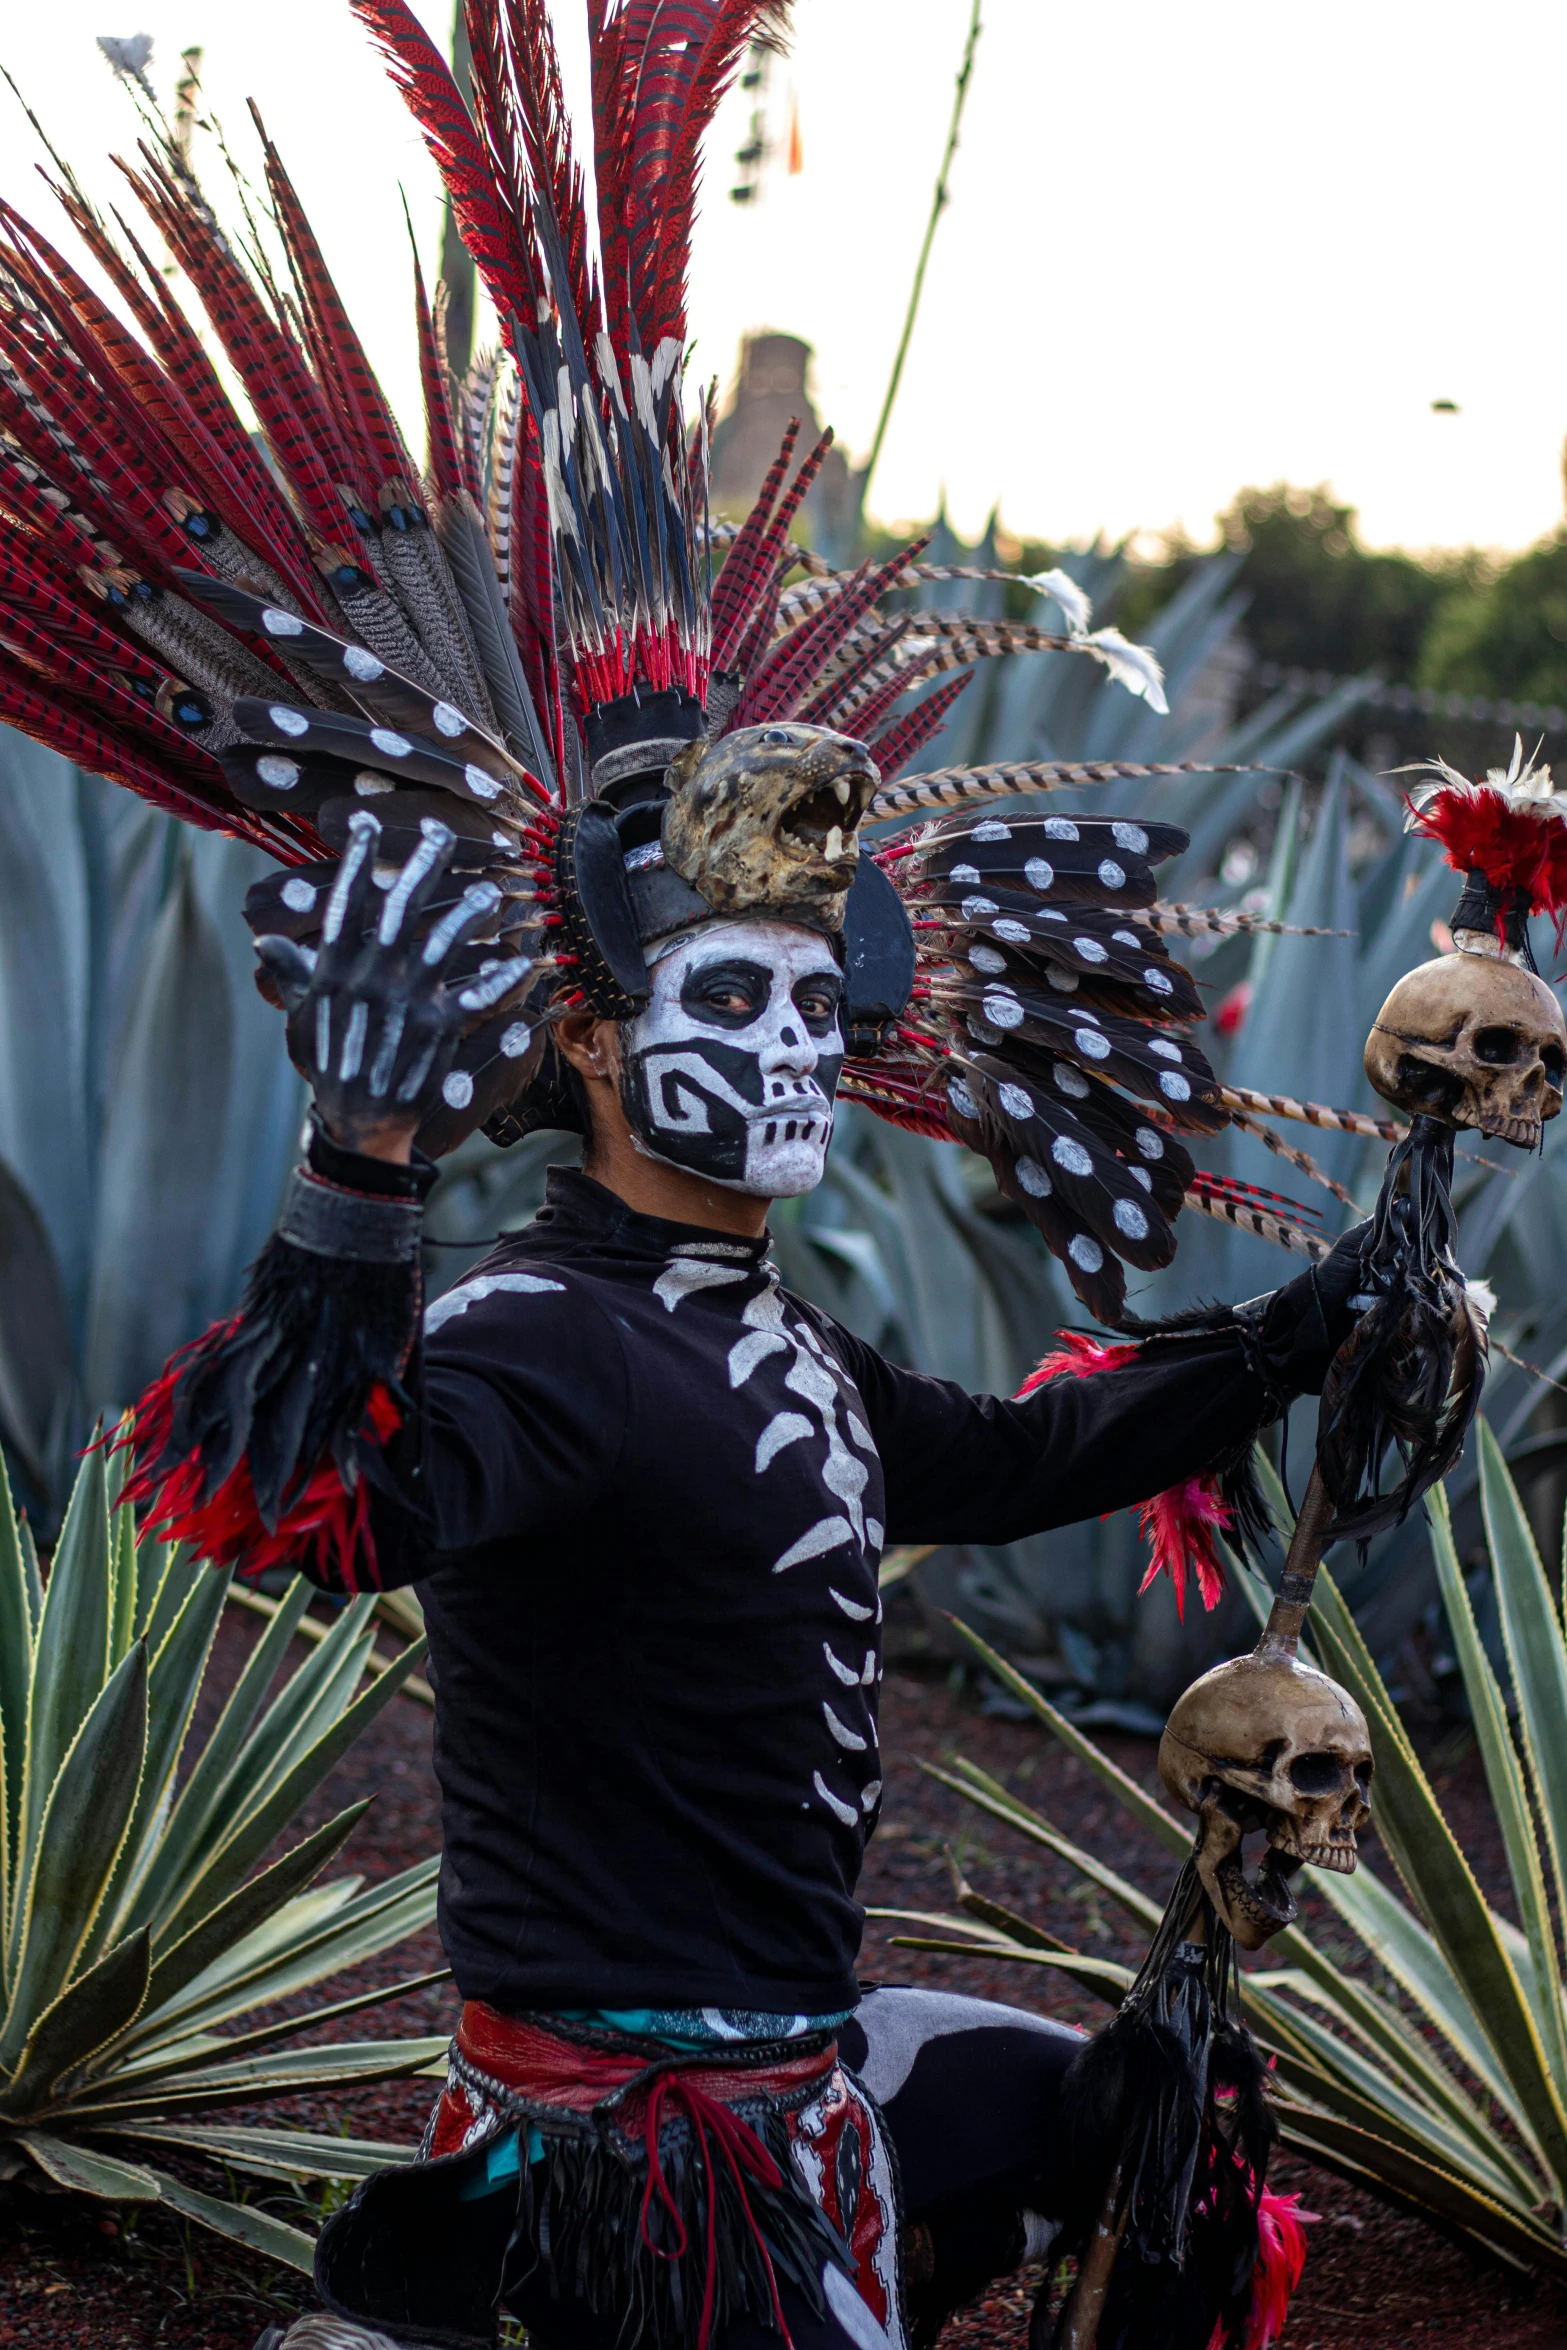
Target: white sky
{"points": [[1187, 249]]}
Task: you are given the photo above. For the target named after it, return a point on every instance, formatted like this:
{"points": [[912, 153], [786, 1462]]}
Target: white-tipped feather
{"points": [[1064, 588], [1133, 666]]}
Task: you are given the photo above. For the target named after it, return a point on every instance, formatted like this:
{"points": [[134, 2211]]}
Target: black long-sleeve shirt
{"points": [[644, 1495]]}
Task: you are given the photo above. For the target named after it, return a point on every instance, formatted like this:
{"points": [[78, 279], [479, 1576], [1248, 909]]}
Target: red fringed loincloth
{"points": [[682, 2187]]}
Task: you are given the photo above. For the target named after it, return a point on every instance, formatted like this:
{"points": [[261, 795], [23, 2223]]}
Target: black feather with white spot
{"points": [[1168, 1070], [333, 734], [381, 691]]}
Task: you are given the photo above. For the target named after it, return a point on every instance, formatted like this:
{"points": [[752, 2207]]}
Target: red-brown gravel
{"points": [[1375, 2279]]}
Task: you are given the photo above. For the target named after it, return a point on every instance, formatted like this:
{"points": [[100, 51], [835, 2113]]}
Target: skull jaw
{"points": [[1254, 1906]]}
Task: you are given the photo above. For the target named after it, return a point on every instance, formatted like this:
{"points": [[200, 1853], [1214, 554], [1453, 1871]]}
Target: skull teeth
{"points": [[841, 787]]}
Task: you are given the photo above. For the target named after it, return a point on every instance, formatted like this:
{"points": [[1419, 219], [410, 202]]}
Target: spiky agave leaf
{"points": [[138, 1933]]}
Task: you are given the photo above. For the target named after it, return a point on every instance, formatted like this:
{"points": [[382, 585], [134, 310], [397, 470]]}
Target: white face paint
{"points": [[730, 1071]]}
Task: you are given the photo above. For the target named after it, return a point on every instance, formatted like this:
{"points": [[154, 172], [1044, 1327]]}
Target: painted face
{"points": [[730, 1071]]}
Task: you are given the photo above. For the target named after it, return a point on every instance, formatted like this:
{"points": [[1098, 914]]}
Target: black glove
{"points": [[1296, 1331], [373, 1022]]}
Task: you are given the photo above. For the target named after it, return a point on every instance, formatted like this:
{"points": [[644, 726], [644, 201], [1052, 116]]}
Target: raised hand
{"points": [[373, 1018]]}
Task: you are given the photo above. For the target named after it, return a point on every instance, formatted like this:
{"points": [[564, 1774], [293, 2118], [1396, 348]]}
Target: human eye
{"points": [[817, 1000]]}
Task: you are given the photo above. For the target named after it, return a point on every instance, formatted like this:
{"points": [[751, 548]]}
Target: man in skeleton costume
{"points": [[568, 834]]}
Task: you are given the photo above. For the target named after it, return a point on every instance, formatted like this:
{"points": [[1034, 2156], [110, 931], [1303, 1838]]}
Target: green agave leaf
{"points": [[990, 1796], [250, 1838], [88, 2172], [257, 2230], [277, 2154], [1537, 1660], [80, 1833], [201, 1796], [233, 1920], [261, 1763], [314, 1698], [16, 1661], [173, 1686], [1381, 2029], [123, 1563], [208, 2048], [1503, 1773], [1376, 2161], [1371, 2094], [317, 2072], [1170, 1832], [1096, 1974], [154, 1560], [69, 1662], [1428, 1858], [281, 1957], [88, 2013], [1401, 1944], [166, 1577]]}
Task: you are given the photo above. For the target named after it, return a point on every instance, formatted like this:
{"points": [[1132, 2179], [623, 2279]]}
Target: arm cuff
{"points": [[327, 1221], [357, 1171]]}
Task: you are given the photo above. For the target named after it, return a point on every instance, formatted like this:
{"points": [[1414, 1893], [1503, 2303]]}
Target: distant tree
{"points": [[1321, 600], [1506, 637]]}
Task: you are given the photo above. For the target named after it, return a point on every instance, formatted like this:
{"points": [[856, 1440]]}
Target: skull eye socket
{"points": [[1498, 1047], [1438, 1090], [1315, 1774], [1554, 1062]]}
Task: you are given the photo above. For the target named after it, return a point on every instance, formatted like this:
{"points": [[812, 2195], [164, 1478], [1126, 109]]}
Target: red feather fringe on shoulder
{"points": [[1180, 1524], [325, 1530]]}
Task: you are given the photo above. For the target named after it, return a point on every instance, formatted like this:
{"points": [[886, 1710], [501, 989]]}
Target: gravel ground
{"points": [[1375, 2279]]}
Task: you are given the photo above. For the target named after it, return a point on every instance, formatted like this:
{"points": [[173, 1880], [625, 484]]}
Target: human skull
{"points": [[1475, 1041], [764, 820], [1266, 1742]]}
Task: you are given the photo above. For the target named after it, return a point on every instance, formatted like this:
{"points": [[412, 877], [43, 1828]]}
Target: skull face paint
{"points": [[730, 1071]]}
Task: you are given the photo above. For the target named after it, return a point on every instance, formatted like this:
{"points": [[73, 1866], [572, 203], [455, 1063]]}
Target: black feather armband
{"points": [[251, 1446]]}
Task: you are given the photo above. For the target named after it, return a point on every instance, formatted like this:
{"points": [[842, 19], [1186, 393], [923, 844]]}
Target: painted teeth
{"points": [[841, 787], [834, 848]]}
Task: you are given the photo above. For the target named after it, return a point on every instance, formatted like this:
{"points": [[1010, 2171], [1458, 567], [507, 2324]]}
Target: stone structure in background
{"points": [[772, 386]]}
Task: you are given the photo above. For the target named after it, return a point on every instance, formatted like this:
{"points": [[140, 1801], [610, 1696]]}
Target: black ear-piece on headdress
{"points": [[598, 922], [878, 959]]}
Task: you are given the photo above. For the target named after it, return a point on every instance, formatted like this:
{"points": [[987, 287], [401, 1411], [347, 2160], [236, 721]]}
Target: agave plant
{"points": [[140, 1920], [1440, 2076]]}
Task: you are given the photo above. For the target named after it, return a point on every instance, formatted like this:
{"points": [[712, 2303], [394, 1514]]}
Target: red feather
{"points": [[1281, 2261], [1180, 1524], [777, 687], [486, 219], [745, 568], [894, 749], [339, 355], [777, 559], [445, 460], [326, 1526], [1519, 849]]}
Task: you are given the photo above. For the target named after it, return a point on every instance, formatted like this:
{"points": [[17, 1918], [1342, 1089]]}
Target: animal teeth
{"points": [[841, 787], [834, 845]]}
